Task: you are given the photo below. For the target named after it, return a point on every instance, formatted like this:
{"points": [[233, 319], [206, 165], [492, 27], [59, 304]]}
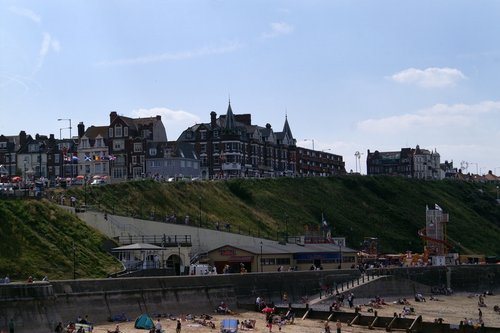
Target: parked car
{"points": [[98, 182]]}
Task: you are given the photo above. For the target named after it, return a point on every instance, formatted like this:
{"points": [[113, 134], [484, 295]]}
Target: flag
{"points": [[88, 158]]}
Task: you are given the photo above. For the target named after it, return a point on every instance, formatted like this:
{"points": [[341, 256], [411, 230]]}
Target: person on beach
{"points": [[158, 326], [339, 326], [270, 322], [178, 327], [327, 327]]}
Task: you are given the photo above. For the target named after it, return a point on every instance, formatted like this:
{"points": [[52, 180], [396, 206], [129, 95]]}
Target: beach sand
{"points": [[452, 309]]}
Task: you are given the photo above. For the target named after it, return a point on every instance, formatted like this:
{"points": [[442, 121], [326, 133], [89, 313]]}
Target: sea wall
{"points": [[38, 307]]}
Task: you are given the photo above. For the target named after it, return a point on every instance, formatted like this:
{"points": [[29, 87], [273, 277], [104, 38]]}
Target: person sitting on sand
{"points": [[116, 330], [419, 297], [481, 301]]}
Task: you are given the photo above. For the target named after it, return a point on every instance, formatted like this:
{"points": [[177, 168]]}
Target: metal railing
{"points": [[159, 240]]}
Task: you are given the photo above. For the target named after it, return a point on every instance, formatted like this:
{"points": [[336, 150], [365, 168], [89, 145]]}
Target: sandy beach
{"points": [[452, 309]]}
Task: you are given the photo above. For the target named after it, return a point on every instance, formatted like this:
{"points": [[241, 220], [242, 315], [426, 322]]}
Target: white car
{"points": [[98, 182]]}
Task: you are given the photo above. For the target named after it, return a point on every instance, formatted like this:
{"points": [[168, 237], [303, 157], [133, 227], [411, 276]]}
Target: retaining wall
{"points": [[38, 307]]}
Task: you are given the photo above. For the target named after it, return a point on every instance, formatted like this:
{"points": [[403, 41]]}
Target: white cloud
{"points": [[24, 12], [48, 43], [175, 121], [278, 29], [184, 55], [437, 116], [430, 77]]}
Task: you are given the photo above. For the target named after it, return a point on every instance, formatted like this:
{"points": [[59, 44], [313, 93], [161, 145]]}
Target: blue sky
{"points": [[350, 75]]}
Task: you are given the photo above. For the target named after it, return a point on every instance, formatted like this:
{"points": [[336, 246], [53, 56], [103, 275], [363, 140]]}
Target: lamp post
{"points": [[312, 142], [286, 228], [66, 119], [200, 209], [74, 261], [261, 268]]}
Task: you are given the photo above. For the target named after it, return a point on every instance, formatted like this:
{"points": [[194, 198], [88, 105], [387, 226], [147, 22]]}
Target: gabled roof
{"points": [[94, 131]]}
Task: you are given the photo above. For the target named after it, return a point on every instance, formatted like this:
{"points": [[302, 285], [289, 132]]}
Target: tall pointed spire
{"points": [[230, 121], [286, 127]]}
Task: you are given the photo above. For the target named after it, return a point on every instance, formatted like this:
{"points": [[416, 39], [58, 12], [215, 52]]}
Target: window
{"points": [[85, 143], [137, 147], [134, 159], [118, 145], [118, 131], [203, 135], [203, 148], [152, 151], [282, 261], [110, 132], [125, 131], [216, 134], [99, 142], [3, 145]]}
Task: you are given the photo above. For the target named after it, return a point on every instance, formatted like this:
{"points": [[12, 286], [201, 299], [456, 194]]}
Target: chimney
{"points": [[22, 138], [158, 117], [112, 116], [81, 129], [213, 119]]}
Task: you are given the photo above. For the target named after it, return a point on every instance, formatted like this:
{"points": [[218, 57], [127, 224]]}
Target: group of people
{"points": [[338, 326]]}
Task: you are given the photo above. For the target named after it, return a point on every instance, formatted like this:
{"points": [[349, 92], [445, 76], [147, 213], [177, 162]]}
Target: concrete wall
{"points": [[38, 307]]}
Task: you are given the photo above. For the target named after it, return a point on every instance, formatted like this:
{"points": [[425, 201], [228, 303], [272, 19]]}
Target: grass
{"points": [[36, 237]]}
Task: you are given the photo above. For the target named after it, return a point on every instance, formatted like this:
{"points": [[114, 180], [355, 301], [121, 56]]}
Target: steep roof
{"points": [[230, 121], [286, 128]]}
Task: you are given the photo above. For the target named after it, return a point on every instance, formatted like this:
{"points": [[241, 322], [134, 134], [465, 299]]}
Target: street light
{"points": [[67, 119], [261, 268], [310, 140], [200, 209], [286, 228], [74, 261]]}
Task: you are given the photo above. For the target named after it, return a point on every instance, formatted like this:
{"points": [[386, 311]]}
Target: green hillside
{"points": [[390, 208], [36, 237]]}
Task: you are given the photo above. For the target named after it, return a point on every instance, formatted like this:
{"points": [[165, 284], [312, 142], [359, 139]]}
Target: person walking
{"points": [[339, 326], [178, 327]]}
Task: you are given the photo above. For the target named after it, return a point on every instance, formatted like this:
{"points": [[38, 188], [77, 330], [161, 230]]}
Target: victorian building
{"points": [[408, 162], [231, 146]]}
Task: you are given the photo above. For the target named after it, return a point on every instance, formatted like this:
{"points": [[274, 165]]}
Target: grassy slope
{"points": [[36, 237], [390, 208]]}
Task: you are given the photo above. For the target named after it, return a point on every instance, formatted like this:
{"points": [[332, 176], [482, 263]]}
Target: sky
{"points": [[350, 76]]}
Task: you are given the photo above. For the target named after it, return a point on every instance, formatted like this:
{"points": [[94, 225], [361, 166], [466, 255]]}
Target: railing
{"points": [[159, 240]]}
